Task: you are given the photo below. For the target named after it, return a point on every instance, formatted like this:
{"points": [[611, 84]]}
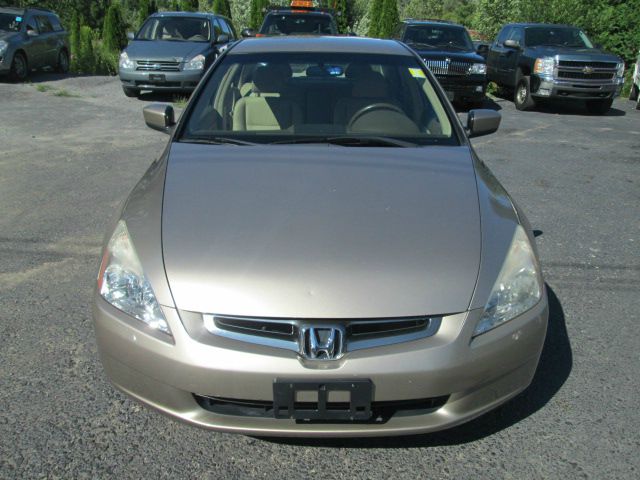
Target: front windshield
{"points": [[556, 37], [10, 22], [175, 29], [438, 37], [297, 24], [304, 97]]}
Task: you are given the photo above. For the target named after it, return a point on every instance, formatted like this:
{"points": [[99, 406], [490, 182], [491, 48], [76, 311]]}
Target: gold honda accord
{"points": [[320, 252]]}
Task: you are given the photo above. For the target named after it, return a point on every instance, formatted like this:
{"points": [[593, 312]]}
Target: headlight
{"points": [[544, 66], [122, 282], [478, 69], [620, 71], [3, 46], [196, 63], [518, 287], [125, 62]]}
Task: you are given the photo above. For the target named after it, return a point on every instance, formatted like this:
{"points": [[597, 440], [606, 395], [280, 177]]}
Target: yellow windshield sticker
{"points": [[417, 73]]}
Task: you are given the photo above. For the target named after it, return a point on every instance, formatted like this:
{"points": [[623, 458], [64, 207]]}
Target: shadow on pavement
{"points": [[553, 370], [46, 76], [488, 103]]}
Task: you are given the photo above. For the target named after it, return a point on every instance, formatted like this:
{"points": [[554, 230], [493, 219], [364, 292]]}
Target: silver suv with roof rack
{"points": [[31, 38]]}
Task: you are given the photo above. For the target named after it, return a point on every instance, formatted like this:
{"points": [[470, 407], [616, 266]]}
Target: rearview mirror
{"points": [[159, 116], [512, 44], [222, 38], [248, 32], [130, 36], [482, 122]]}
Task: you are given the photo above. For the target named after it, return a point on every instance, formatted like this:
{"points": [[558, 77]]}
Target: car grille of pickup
{"points": [[157, 66], [448, 67], [585, 72]]}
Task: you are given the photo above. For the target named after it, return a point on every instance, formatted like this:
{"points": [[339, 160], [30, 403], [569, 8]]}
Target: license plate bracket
{"points": [[157, 77], [358, 408]]}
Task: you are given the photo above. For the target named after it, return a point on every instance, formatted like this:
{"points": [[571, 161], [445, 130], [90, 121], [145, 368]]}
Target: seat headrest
{"points": [[357, 70], [271, 78], [372, 85]]}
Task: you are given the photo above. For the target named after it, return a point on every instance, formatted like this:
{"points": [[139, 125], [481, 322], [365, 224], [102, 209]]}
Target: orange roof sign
{"points": [[302, 3]]}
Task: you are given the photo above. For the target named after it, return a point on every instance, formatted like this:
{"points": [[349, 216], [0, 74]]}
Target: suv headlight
{"points": [[620, 68], [196, 63], [122, 283], [478, 69], [544, 66], [125, 62], [518, 287], [3, 46]]}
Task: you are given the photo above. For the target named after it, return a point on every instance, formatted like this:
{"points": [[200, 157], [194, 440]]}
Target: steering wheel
{"points": [[372, 108]]}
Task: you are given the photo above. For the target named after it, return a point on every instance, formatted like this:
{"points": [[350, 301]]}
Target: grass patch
{"points": [[64, 93], [43, 88], [181, 102]]}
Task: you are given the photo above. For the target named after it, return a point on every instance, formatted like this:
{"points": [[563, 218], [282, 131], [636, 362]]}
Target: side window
{"points": [[503, 35], [217, 30], [44, 24], [57, 26], [32, 25], [516, 34], [225, 28]]}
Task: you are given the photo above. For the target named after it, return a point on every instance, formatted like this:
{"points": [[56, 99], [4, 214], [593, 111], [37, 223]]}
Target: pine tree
{"points": [[114, 34], [257, 13], [146, 8], [374, 17], [86, 56], [342, 19], [189, 5], [389, 18], [74, 40], [222, 7]]}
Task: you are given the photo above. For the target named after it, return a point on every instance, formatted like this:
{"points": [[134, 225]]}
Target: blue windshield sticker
{"points": [[18, 19]]}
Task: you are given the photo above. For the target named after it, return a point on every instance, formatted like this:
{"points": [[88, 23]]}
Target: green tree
{"points": [[114, 32], [389, 18], [86, 56], [222, 7], [146, 8], [375, 12], [189, 5], [257, 13], [74, 40], [341, 8]]}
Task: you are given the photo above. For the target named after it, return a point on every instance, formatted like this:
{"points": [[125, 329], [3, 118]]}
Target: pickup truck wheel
{"points": [[19, 67], [633, 94], [599, 107], [522, 96], [131, 92]]}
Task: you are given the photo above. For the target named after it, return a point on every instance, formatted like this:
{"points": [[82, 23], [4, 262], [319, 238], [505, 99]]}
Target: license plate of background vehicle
{"points": [[337, 400], [155, 77]]}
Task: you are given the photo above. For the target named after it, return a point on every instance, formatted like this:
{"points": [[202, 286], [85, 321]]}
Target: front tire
{"points": [[633, 94], [522, 96], [131, 92], [19, 67], [599, 107], [63, 62]]}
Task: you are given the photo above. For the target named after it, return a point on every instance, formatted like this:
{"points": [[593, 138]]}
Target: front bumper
{"points": [[5, 61], [475, 375], [470, 88], [548, 87], [169, 81]]}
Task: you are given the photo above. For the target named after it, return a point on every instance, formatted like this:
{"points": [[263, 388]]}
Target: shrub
{"points": [[86, 57], [114, 32]]}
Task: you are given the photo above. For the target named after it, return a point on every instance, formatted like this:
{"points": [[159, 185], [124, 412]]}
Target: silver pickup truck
{"points": [[31, 38]]}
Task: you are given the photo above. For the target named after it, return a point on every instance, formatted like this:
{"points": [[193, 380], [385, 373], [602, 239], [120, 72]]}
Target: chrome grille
{"points": [[582, 64], [157, 66], [286, 333], [448, 67], [585, 71]]}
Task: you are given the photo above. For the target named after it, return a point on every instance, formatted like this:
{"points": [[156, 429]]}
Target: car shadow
{"points": [[488, 103], [555, 365], [41, 76], [164, 97]]}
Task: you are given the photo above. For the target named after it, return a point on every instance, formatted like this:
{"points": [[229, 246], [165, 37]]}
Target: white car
{"points": [[635, 86]]}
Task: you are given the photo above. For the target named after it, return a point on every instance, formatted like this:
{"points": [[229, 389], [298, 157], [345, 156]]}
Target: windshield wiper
{"points": [[365, 141], [420, 45], [217, 141]]}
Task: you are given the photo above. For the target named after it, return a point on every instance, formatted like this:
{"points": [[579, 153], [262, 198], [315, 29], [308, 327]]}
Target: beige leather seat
{"points": [[266, 108]]}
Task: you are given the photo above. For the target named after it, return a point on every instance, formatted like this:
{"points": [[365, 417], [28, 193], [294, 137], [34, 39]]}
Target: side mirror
{"points": [[130, 35], [159, 116], [353, 34], [482, 49], [248, 32], [512, 44], [222, 38], [482, 122], [31, 32]]}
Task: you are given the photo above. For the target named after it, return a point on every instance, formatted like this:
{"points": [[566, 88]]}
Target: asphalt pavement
{"points": [[71, 149]]}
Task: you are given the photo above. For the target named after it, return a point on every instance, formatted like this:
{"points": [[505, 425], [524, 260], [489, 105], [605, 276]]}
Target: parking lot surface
{"points": [[72, 149]]}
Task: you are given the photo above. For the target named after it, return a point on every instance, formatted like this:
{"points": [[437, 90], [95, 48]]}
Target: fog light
{"points": [[479, 88], [545, 92]]}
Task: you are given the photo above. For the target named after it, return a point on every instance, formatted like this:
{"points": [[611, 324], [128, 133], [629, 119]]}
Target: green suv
{"points": [[31, 38]]}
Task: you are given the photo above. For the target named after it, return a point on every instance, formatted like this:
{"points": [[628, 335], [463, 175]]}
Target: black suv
{"points": [[449, 53], [31, 38], [542, 61], [298, 21]]}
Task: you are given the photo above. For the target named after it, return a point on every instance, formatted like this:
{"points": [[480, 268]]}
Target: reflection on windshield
{"points": [[176, 29], [438, 37], [9, 22], [297, 25], [335, 98], [557, 37]]}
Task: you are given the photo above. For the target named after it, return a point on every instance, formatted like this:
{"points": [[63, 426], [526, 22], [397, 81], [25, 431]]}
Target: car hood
{"points": [[7, 36], [455, 55], [321, 231], [583, 54], [164, 50]]}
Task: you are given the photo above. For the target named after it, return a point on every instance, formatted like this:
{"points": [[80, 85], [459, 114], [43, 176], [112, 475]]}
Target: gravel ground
{"points": [[71, 150]]}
